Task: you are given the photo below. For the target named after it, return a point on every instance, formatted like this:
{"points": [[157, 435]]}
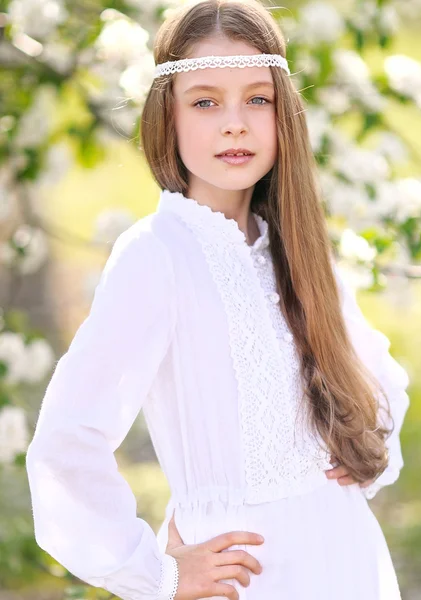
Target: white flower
{"points": [[357, 277], [353, 246], [58, 161], [363, 18], [137, 78], [386, 198], [320, 22], [388, 19], [14, 435], [369, 14], [350, 202], [35, 124], [318, 124], [408, 198], [106, 88], [404, 76], [57, 55], [334, 99], [391, 146], [121, 39], [7, 202], [338, 141], [39, 361], [13, 355], [30, 253], [361, 165], [110, 224], [352, 73], [306, 64], [37, 18]]}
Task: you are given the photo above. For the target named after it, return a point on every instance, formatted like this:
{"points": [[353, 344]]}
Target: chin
{"points": [[234, 182]]}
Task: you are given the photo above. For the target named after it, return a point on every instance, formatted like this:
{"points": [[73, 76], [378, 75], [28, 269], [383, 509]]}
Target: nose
{"points": [[234, 124]]}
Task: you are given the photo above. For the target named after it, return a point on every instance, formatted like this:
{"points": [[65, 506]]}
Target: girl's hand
{"points": [[341, 473], [201, 566]]}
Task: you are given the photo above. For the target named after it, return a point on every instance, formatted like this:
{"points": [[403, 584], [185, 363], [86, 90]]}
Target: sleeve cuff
{"points": [[371, 490], [169, 578]]}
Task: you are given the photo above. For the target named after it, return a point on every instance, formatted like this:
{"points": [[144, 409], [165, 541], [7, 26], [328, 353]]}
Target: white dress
{"points": [[185, 324]]}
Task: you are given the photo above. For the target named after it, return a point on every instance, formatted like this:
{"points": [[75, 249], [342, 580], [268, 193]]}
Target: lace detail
{"points": [[204, 62], [168, 584], [277, 463]]}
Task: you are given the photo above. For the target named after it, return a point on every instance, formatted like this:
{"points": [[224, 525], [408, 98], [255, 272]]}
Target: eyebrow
{"points": [[212, 88]]}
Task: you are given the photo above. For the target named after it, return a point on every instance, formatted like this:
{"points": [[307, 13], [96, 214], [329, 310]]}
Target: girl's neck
{"points": [[234, 204]]}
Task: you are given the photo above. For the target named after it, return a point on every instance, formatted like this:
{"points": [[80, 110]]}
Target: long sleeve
{"points": [[372, 347], [84, 510]]}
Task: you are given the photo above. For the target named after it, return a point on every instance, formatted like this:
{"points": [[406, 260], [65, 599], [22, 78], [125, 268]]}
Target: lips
{"points": [[236, 152]]}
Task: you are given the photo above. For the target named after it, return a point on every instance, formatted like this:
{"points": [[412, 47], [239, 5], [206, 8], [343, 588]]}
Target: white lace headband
{"points": [[204, 62]]}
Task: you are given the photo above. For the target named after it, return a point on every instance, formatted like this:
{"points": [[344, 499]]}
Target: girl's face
{"points": [[222, 108]]}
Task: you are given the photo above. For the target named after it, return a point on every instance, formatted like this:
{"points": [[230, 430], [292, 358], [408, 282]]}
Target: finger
{"points": [[232, 557], [340, 471], [232, 572], [223, 589], [174, 538], [232, 538], [366, 483], [348, 480]]}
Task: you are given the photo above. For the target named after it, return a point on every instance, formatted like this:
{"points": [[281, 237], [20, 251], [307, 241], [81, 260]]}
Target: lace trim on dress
{"points": [[168, 584], [266, 369]]}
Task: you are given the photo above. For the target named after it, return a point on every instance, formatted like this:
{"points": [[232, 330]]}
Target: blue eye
{"points": [[200, 101], [265, 101], [260, 98]]}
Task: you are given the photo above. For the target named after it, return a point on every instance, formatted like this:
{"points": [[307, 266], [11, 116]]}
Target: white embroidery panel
{"points": [[266, 369]]}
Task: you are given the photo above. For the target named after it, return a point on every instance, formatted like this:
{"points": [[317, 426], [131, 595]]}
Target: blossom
{"points": [[356, 276], [370, 14], [350, 202], [404, 76], [320, 22], [334, 99], [7, 202], [110, 224], [121, 39], [58, 161], [37, 18], [352, 73], [13, 355], [408, 199], [391, 146], [58, 56], [26, 251], [318, 124], [14, 435], [39, 359], [361, 165], [355, 247], [35, 124], [136, 79]]}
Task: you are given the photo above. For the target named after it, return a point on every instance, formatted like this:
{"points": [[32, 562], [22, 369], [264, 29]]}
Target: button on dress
{"points": [[186, 325]]}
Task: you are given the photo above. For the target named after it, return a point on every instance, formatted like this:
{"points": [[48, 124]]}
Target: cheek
{"points": [[192, 146]]}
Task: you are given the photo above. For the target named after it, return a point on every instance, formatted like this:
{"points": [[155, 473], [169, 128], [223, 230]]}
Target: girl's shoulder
{"points": [[141, 248]]}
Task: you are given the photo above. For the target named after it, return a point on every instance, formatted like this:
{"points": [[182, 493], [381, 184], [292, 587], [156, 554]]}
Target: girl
{"points": [[268, 398]]}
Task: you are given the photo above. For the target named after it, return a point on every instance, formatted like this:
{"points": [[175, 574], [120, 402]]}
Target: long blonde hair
{"points": [[341, 396]]}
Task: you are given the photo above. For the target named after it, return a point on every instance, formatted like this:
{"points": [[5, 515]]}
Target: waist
{"points": [[236, 496]]}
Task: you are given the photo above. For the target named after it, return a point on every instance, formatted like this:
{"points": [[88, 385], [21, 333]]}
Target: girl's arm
{"points": [[84, 510], [373, 348]]}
